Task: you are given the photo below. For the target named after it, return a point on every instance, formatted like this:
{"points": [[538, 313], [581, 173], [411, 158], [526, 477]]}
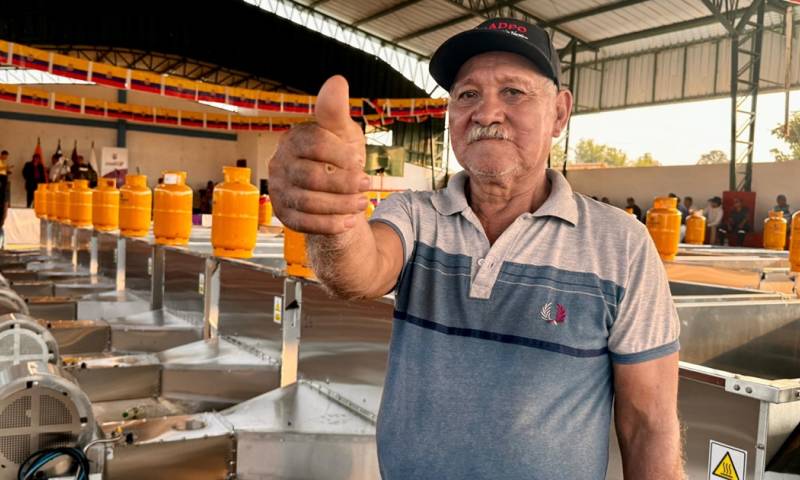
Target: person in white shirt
{"points": [[713, 218]]}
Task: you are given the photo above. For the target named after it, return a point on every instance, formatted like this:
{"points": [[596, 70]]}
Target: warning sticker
{"points": [[726, 462]]}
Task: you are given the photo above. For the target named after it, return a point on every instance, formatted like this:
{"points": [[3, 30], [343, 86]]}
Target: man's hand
{"points": [[316, 177]]}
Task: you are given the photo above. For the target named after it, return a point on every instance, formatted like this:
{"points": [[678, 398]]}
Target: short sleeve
{"points": [[396, 212], [646, 326]]}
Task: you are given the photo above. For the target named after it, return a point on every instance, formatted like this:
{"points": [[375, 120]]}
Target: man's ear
{"points": [[563, 111]]}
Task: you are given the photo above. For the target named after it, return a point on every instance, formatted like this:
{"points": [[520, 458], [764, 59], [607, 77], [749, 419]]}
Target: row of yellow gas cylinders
{"points": [[664, 225], [235, 209]]}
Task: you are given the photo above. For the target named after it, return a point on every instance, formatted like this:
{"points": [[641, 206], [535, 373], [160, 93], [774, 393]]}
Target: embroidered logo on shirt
{"points": [[546, 313]]}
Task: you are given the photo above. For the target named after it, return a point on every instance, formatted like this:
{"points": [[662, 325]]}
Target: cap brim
{"points": [[448, 59]]}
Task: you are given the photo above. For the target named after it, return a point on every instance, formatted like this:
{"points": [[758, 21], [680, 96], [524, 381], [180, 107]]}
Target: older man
{"points": [[522, 308]]}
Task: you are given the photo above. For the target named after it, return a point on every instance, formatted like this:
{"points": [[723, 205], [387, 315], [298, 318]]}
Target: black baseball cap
{"points": [[496, 34]]}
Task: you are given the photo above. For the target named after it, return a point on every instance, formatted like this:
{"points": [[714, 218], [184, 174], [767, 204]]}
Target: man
{"points": [[714, 216], [738, 222], [783, 206], [81, 170], [33, 173], [681, 208], [521, 307], [688, 202], [637, 211]]}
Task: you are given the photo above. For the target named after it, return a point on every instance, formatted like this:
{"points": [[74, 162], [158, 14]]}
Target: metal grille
{"points": [[53, 411], [56, 439], [34, 418], [19, 345], [17, 414], [29, 346], [16, 448]]}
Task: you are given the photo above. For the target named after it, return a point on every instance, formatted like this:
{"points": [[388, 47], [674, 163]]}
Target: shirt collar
{"points": [[560, 204]]}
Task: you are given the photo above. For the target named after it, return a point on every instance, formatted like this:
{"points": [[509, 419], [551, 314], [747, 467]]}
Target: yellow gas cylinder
{"points": [[294, 252], [794, 246], [264, 210], [80, 205], [62, 202], [105, 205], [40, 200], [235, 208], [50, 207], [695, 228], [370, 210], [664, 225], [775, 231], [135, 203], [172, 210]]}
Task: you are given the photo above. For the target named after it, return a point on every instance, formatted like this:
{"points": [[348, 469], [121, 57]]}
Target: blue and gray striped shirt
{"points": [[500, 364]]}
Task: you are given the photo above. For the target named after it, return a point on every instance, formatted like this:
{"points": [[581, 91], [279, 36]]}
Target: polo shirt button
{"points": [[480, 262]]}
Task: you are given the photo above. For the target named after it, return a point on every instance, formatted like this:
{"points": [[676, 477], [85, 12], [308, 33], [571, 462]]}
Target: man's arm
{"points": [[646, 418], [362, 263]]}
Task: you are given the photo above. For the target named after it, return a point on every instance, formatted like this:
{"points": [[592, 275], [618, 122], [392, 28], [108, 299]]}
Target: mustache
{"points": [[489, 132]]}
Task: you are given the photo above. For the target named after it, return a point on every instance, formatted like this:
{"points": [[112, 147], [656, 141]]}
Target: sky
{"points": [[677, 134]]}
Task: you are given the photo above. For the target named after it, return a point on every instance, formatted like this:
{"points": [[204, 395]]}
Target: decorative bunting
{"points": [[407, 110]]}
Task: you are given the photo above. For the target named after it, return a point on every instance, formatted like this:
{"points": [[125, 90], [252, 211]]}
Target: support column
{"points": [[121, 245], [746, 43], [93, 261], [157, 279], [122, 125], [290, 328], [211, 291]]}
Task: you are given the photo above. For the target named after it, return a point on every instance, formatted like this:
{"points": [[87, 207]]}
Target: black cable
{"points": [[39, 459]]}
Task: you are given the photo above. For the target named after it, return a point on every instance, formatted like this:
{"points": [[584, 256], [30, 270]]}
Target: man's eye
{"points": [[468, 95], [512, 92]]}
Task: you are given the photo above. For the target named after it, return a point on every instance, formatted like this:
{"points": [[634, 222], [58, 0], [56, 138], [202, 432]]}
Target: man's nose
{"points": [[488, 111]]}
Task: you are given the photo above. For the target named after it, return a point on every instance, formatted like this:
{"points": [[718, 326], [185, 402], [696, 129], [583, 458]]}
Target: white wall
{"points": [[151, 153], [698, 181], [414, 178]]}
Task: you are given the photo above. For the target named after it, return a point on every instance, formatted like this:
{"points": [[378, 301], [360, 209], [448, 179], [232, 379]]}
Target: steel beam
{"points": [[385, 12]]}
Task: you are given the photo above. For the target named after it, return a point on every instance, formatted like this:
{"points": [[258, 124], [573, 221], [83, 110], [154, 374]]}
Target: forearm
{"points": [[652, 451], [347, 264]]}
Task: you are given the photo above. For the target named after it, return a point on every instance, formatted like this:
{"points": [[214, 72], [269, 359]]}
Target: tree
{"points": [[587, 151], [790, 135], [714, 157], [646, 160], [556, 156]]}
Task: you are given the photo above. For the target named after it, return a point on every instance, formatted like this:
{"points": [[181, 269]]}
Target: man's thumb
{"points": [[333, 110]]}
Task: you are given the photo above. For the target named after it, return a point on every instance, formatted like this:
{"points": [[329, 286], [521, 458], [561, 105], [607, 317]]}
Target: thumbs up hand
{"points": [[316, 177]]}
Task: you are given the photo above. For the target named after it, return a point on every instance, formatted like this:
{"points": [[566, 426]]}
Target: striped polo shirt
{"points": [[500, 365]]}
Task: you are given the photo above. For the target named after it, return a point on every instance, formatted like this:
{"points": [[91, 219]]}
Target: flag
{"points": [[38, 149], [74, 157], [93, 160]]}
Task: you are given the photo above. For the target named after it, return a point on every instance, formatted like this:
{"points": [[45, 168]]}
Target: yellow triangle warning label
{"points": [[726, 469]]}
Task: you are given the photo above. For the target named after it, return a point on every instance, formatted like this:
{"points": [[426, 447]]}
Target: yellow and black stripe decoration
{"points": [[386, 110], [157, 115], [143, 114]]}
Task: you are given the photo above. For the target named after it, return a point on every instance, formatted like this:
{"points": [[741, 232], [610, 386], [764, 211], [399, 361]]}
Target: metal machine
{"points": [[282, 381]]}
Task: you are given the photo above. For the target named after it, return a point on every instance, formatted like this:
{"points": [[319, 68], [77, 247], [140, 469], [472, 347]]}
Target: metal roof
{"points": [[603, 28], [628, 52]]}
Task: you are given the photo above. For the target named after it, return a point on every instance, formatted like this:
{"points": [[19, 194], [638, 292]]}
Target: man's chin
{"points": [[491, 172]]}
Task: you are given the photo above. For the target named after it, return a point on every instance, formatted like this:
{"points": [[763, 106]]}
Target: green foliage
{"points": [[714, 157], [588, 151], [790, 135]]}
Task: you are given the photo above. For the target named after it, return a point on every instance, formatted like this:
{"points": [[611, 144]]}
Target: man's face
{"points": [[3, 157], [687, 202], [737, 204], [503, 115], [781, 201]]}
